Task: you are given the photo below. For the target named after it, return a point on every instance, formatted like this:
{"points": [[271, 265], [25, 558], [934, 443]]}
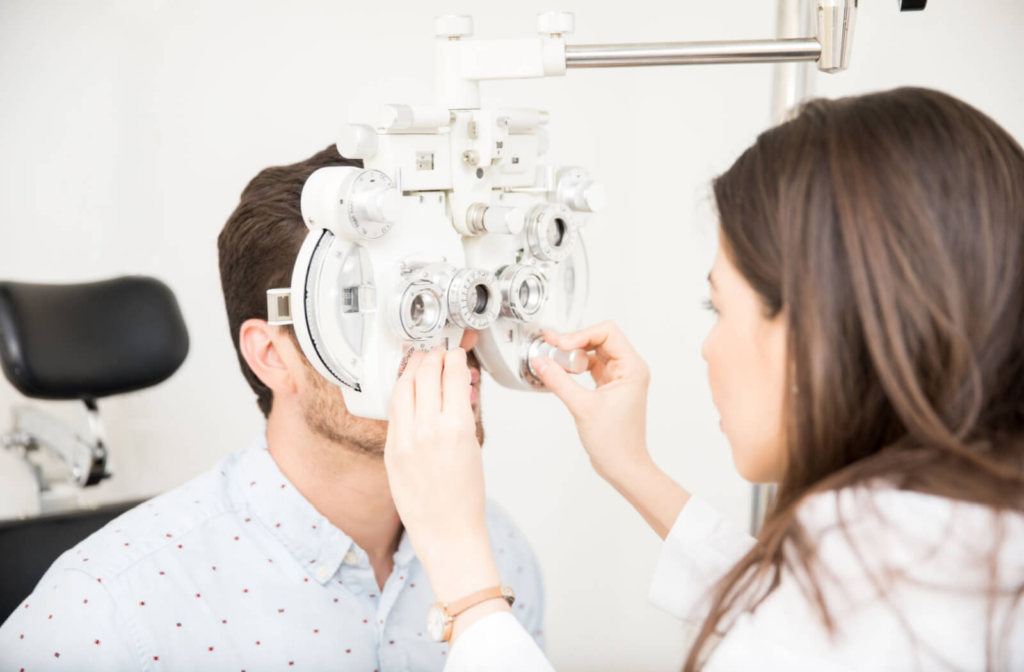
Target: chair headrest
{"points": [[92, 340]]}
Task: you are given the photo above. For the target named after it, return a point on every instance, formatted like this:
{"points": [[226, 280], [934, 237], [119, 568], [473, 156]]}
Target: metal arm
{"points": [[691, 53]]}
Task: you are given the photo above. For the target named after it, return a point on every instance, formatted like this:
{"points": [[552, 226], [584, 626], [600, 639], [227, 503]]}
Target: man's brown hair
{"points": [[258, 245]]}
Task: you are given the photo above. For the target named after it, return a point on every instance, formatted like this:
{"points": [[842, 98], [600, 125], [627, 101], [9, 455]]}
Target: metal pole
{"points": [[691, 53]]}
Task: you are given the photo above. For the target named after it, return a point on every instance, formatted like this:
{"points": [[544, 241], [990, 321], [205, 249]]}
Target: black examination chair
{"points": [[74, 342]]}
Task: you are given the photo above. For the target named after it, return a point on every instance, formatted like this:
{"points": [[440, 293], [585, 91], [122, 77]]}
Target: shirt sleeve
{"points": [[700, 549], [497, 643], [68, 622]]}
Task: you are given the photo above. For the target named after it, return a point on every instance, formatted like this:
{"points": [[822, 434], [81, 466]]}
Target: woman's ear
{"points": [[263, 347]]}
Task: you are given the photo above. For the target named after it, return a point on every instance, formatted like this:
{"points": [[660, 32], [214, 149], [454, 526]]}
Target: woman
{"points": [[868, 356]]}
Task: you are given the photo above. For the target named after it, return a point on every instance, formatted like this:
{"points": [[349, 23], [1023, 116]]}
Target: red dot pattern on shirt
{"points": [[246, 590]]}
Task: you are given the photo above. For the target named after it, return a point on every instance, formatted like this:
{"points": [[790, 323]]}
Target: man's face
{"points": [[323, 407]]}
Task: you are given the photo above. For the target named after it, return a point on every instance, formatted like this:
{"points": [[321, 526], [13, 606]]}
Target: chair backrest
{"points": [[31, 546], [92, 340]]}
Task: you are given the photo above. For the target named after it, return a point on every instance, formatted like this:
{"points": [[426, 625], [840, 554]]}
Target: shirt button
{"points": [[323, 572], [351, 558]]}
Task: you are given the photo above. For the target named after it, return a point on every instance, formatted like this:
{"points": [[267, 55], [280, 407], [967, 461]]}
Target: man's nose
{"points": [[469, 339]]}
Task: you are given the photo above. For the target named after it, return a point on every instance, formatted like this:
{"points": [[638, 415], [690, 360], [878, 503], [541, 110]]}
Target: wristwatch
{"points": [[440, 617]]}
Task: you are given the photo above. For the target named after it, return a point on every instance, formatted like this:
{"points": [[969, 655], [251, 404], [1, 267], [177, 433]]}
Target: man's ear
{"points": [[270, 353]]}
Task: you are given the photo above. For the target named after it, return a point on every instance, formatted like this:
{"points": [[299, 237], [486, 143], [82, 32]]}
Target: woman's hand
{"points": [[437, 481], [612, 420]]}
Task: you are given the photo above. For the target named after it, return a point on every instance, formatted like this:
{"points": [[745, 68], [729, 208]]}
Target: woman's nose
{"points": [[469, 339]]}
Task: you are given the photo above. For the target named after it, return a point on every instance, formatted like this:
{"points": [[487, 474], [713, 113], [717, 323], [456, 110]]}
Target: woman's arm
{"points": [[653, 493], [435, 471]]}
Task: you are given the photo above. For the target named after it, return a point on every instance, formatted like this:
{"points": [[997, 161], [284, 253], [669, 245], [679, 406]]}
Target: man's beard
{"points": [[324, 409]]}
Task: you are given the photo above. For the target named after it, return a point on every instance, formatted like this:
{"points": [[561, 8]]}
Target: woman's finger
{"points": [[403, 399], [606, 339], [576, 397], [596, 368], [428, 385], [558, 339], [455, 383]]}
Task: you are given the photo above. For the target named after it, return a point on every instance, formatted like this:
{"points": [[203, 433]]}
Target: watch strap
{"points": [[474, 599]]}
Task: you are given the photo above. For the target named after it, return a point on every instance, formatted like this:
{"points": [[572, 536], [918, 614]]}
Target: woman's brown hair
{"points": [[887, 230]]}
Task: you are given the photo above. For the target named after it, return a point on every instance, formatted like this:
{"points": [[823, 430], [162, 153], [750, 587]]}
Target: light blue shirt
{"points": [[236, 570]]}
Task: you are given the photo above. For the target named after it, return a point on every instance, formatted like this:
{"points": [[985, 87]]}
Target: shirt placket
{"points": [[360, 579]]}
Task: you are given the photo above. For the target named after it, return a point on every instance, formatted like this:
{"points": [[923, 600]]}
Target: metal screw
{"points": [[471, 156]]}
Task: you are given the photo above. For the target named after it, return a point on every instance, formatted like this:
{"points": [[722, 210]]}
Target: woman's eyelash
{"points": [[710, 306]]}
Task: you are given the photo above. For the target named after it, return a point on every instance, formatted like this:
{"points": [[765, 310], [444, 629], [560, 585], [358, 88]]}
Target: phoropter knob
{"points": [[573, 361]]}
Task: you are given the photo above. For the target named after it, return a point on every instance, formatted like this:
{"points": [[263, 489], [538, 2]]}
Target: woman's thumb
{"points": [[556, 379]]}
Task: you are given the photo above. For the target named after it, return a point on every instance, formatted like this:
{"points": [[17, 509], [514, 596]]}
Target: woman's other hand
{"points": [[612, 419], [435, 471]]}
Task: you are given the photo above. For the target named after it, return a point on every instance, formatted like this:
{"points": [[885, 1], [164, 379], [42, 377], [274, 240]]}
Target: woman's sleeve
{"points": [[699, 550], [497, 643]]}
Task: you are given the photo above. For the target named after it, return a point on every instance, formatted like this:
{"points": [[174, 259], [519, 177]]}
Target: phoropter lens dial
{"points": [[419, 310], [551, 232], [474, 299], [523, 292]]}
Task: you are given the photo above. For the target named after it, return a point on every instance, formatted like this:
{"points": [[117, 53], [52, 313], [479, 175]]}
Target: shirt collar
{"points": [[316, 544]]}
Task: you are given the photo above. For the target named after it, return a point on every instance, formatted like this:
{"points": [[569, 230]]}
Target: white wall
{"points": [[129, 127]]}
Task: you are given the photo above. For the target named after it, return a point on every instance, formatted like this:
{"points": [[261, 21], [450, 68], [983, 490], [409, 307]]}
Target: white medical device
{"points": [[454, 222]]}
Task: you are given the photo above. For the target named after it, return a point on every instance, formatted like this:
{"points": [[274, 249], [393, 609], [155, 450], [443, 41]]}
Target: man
{"points": [[289, 555]]}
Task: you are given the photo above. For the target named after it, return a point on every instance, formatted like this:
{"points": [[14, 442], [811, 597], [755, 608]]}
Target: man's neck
{"points": [[348, 487]]}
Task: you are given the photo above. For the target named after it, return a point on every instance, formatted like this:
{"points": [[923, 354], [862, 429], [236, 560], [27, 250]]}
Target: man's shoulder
{"points": [[153, 526]]}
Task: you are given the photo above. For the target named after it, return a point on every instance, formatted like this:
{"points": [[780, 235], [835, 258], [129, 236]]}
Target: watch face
{"points": [[436, 622]]}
